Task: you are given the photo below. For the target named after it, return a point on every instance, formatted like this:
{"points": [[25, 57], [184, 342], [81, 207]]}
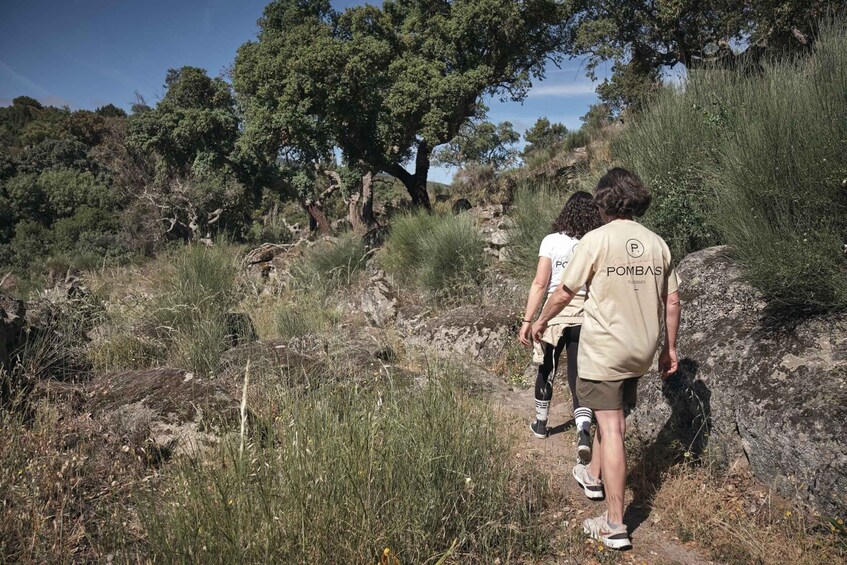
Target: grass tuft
{"points": [[439, 253], [346, 471]]}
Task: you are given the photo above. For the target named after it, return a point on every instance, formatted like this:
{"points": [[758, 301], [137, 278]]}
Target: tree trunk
{"points": [[360, 207], [416, 183], [317, 218], [368, 201], [354, 214]]}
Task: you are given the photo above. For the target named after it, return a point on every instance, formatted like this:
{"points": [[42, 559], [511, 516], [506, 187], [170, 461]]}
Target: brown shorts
{"points": [[608, 395]]}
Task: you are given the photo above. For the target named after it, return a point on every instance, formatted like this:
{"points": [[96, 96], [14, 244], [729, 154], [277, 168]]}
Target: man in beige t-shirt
{"points": [[632, 288]]}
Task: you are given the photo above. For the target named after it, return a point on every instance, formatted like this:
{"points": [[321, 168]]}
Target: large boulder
{"points": [[471, 333], [754, 386], [177, 411]]}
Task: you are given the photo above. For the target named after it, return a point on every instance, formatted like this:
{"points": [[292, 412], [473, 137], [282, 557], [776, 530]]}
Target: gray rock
{"points": [[497, 238], [379, 302], [179, 411], [753, 385], [470, 333]]}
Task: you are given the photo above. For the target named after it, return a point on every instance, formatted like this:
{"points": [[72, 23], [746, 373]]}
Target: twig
{"points": [[244, 409]]}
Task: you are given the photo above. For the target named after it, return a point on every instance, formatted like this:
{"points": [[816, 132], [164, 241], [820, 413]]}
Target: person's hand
{"points": [[525, 335], [667, 362], [538, 329]]}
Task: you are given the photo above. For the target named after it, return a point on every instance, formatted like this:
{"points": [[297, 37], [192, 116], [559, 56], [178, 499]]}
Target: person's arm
{"points": [[560, 298], [537, 290], [668, 359]]}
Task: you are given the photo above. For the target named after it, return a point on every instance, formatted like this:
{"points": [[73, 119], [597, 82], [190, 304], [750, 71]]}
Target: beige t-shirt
{"points": [[627, 269]]}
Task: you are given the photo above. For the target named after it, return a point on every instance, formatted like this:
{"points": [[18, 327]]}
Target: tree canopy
{"points": [[642, 39], [482, 143], [194, 126], [386, 85], [543, 134]]}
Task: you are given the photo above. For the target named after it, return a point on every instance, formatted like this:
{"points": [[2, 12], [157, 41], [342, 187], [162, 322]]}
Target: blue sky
{"points": [[87, 53]]}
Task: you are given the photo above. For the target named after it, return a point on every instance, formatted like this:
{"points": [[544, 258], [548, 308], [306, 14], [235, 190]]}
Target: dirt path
{"points": [[556, 454]]}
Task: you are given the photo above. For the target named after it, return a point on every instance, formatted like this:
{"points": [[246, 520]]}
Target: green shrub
{"points": [[310, 315], [781, 200], [32, 241], [345, 471], [672, 147], [192, 311], [331, 264], [755, 158], [533, 212], [439, 253]]}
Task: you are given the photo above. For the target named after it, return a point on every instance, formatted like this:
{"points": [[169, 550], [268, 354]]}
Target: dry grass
{"points": [[736, 520], [64, 484]]}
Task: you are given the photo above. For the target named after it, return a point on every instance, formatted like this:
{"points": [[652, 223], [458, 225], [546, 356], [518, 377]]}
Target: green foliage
{"points": [[781, 199], [331, 264], [310, 315], [385, 84], [543, 135], [193, 127], [672, 147], [27, 199], [68, 190], [485, 144], [345, 471], [757, 159], [534, 210], [54, 154], [597, 117], [644, 38], [31, 242], [110, 111], [442, 254]]}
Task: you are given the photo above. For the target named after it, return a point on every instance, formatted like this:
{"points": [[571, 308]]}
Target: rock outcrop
{"points": [[177, 411], [470, 333], [754, 386], [379, 301]]}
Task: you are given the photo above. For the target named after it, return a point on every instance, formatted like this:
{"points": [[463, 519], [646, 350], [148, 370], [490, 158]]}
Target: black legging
{"points": [[544, 381]]}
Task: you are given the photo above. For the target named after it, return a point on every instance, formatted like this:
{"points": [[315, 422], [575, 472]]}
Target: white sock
{"points": [[542, 408], [583, 417]]}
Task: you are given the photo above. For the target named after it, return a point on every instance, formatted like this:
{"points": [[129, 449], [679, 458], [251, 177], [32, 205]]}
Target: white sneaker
{"points": [[599, 529], [592, 488]]}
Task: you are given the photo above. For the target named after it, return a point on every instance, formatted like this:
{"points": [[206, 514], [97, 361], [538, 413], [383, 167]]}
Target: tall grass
{"points": [[673, 147], [781, 189], [755, 158], [439, 253], [345, 471], [193, 311], [533, 213], [330, 264]]}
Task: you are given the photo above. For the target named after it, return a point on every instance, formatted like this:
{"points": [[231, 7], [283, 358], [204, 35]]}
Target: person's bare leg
{"points": [[612, 425], [595, 468]]}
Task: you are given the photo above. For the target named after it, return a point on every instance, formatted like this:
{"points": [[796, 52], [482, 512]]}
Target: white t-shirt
{"points": [[559, 248]]}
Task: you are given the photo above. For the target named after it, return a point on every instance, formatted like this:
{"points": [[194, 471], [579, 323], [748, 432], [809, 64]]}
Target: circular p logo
{"points": [[634, 248]]}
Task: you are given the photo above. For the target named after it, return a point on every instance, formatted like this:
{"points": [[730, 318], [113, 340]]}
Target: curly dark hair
{"points": [[578, 216], [621, 193]]}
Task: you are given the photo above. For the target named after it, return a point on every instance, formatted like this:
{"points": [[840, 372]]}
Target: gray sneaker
{"points": [[539, 428], [592, 488], [599, 529]]}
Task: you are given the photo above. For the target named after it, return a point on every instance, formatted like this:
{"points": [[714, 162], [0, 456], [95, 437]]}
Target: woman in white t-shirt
{"points": [[578, 216]]}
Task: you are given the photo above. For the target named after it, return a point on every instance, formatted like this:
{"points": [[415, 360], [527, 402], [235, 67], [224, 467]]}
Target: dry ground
{"points": [[697, 516]]}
